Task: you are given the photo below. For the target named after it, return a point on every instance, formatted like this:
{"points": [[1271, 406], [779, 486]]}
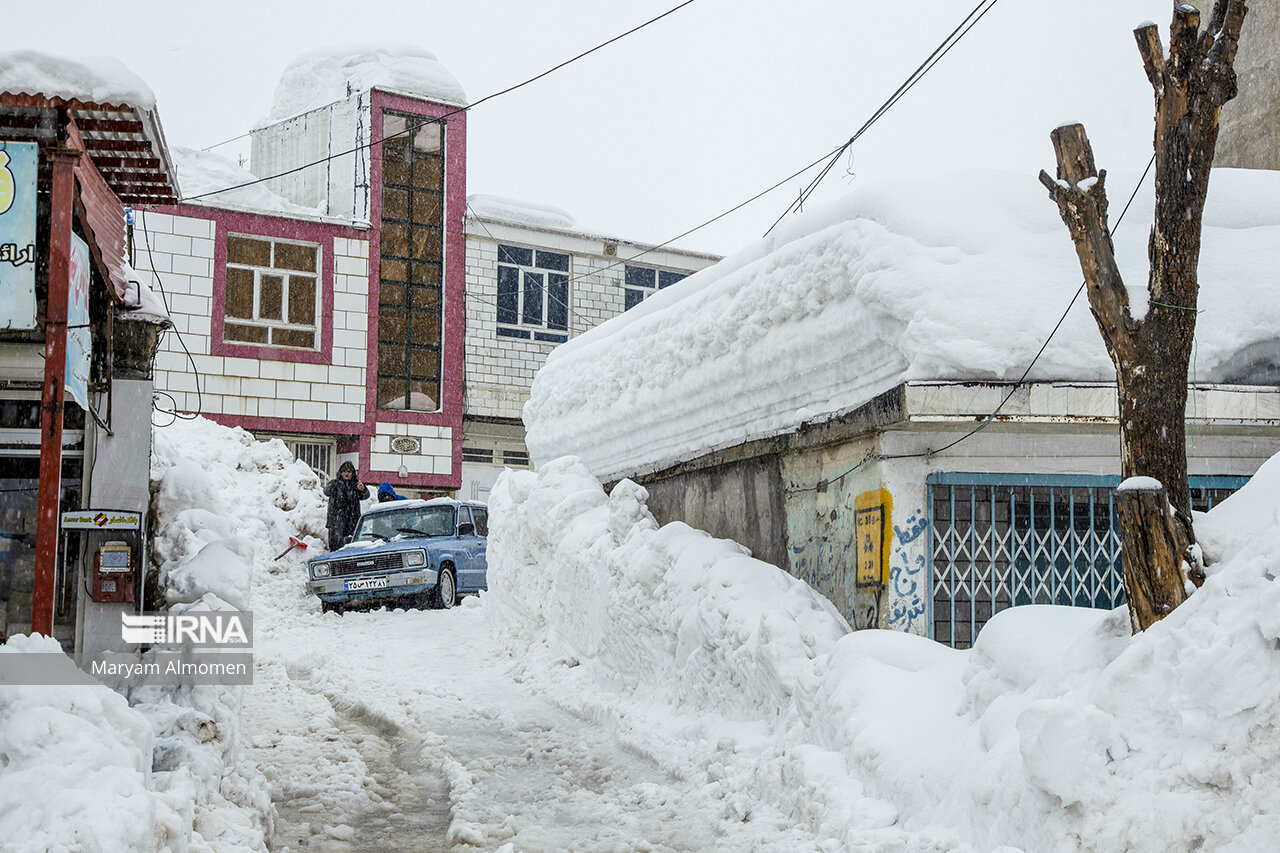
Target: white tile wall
{"points": [[434, 457], [499, 370], [181, 249]]}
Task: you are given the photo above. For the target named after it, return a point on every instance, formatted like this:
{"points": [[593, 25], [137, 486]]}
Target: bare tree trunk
{"points": [[1151, 353]]}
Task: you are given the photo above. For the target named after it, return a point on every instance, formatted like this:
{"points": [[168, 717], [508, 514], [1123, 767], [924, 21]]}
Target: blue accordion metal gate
{"points": [[1004, 540]]}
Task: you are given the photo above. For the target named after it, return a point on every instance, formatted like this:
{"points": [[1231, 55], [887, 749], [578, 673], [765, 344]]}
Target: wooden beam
{"points": [[104, 125]]}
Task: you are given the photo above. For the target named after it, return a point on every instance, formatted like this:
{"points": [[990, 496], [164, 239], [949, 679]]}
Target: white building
{"points": [[326, 306]]}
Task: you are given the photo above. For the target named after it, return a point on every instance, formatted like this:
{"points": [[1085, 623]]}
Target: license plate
{"points": [[366, 583]]}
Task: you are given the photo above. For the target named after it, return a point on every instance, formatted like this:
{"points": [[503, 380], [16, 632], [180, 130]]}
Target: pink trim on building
{"points": [[298, 425], [453, 352], [262, 225]]}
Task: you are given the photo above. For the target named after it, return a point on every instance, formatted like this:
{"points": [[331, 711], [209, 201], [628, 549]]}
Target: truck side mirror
{"points": [[346, 540], [466, 528]]}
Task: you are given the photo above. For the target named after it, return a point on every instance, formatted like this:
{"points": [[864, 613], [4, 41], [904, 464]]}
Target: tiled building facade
{"points": [[329, 312], [515, 317]]}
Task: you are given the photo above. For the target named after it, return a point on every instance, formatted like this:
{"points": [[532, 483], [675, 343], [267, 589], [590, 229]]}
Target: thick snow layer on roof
{"points": [[321, 77], [517, 212], [96, 79], [960, 277], [202, 172]]}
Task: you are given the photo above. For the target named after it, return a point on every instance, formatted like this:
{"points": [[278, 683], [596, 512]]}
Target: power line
{"points": [[924, 68], [447, 115]]}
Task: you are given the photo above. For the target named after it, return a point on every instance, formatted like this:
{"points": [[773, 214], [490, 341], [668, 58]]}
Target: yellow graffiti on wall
{"points": [[873, 525]]}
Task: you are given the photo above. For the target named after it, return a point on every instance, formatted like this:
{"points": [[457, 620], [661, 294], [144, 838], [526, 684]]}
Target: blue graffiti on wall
{"points": [[907, 575]]}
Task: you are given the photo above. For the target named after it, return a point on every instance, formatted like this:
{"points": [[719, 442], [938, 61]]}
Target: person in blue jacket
{"points": [[386, 493]]}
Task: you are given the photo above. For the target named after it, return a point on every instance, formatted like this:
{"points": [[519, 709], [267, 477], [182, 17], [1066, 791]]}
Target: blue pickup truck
{"points": [[416, 553]]}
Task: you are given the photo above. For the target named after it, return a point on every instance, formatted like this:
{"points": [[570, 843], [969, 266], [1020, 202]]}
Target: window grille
{"points": [[1000, 541], [477, 454]]}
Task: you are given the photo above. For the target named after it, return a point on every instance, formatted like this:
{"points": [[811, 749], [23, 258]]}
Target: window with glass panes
{"points": [[411, 271], [272, 292], [533, 294], [639, 282]]}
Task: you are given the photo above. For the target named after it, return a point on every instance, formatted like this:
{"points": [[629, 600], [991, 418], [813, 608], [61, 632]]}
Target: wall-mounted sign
{"points": [[18, 161], [79, 341], [406, 444], [872, 524], [101, 519]]}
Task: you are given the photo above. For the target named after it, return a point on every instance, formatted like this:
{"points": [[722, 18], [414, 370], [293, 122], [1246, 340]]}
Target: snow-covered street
{"points": [[372, 726]]}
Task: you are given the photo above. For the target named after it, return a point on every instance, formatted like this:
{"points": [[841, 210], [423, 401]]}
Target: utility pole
{"points": [[63, 162]]}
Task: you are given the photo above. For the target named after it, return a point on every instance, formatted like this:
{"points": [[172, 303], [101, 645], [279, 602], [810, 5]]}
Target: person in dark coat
{"points": [[344, 494], [387, 493]]}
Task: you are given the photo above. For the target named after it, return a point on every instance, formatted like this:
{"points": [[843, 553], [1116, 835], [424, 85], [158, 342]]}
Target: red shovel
{"points": [[294, 542]]}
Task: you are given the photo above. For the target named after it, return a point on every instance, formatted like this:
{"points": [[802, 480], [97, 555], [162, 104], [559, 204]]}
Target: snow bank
{"points": [[223, 502], [886, 285], [1057, 731], [99, 79], [525, 213], [201, 172], [75, 766], [321, 77], [674, 611]]}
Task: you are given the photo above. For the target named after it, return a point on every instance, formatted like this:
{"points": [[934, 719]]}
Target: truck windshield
{"points": [[410, 521]]}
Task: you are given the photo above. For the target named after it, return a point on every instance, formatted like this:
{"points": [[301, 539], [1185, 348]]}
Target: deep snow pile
{"points": [[892, 283], [75, 766], [99, 79], [1057, 731], [324, 76], [222, 502], [201, 172]]}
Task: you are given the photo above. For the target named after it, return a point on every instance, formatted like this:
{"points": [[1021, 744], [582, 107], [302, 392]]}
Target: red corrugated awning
{"points": [[102, 215]]}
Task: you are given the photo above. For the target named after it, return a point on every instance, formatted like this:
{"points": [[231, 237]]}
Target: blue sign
{"points": [[18, 162], [79, 341]]}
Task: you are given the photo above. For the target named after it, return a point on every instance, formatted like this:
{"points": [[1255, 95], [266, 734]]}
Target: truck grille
{"points": [[369, 563]]}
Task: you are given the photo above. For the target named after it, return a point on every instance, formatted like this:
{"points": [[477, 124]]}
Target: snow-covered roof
{"points": [[141, 301], [956, 278], [324, 76], [92, 79], [202, 172], [528, 214]]}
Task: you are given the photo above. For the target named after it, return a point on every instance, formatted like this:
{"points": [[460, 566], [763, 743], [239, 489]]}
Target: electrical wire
{"points": [[164, 297], [924, 68], [986, 421], [447, 115]]}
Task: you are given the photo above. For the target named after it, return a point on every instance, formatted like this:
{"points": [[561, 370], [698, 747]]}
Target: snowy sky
{"points": [[684, 119]]}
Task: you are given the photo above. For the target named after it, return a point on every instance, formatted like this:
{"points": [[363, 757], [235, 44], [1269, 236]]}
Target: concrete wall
{"points": [[119, 478], [338, 187], [1250, 131], [742, 501]]}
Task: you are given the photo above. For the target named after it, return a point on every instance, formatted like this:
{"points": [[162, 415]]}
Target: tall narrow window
{"points": [[410, 295], [271, 292], [533, 294]]}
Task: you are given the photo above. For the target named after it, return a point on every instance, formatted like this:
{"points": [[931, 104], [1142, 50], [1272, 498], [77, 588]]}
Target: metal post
{"points": [[63, 161]]}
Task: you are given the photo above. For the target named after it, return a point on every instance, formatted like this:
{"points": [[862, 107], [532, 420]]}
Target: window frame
{"points": [[635, 293], [316, 276], [522, 328], [268, 227]]}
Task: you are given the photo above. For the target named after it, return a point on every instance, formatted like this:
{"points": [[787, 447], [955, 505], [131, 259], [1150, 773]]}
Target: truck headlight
{"points": [[415, 558], [320, 570]]}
